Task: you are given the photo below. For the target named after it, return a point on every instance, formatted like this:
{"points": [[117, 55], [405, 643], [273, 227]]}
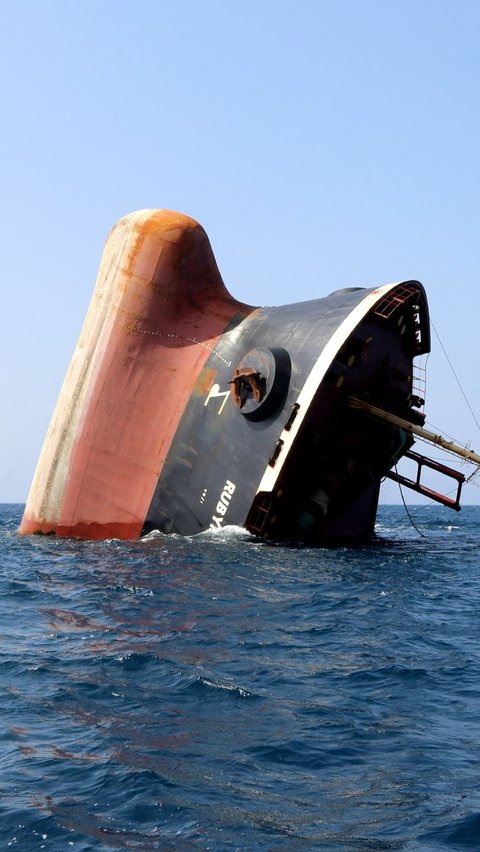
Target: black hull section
{"points": [[268, 439]]}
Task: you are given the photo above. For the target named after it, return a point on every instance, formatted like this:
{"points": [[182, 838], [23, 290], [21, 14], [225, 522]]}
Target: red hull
{"points": [[158, 310]]}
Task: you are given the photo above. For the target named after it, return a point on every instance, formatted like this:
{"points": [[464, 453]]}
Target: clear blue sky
{"points": [[321, 145]]}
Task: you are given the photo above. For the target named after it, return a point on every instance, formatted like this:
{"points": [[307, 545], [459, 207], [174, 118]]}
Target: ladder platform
{"points": [[420, 488]]}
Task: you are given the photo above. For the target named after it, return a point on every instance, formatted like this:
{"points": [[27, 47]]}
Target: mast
{"points": [[413, 429]]}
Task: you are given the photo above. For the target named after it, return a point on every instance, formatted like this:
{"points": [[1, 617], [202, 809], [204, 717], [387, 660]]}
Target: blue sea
{"points": [[221, 693]]}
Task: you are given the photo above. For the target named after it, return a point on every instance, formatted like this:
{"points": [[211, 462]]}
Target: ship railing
{"points": [[419, 379], [395, 299]]}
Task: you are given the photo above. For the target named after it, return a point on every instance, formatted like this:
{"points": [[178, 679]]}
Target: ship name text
{"points": [[222, 505]]}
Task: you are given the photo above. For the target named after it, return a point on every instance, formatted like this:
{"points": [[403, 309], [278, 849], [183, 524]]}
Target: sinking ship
{"points": [[185, 410]]}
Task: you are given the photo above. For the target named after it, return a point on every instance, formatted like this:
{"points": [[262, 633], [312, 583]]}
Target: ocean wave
{"points": [[217, 692]]}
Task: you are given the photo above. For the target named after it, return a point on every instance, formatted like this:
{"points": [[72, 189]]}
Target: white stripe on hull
{"points": [[315, 378]]}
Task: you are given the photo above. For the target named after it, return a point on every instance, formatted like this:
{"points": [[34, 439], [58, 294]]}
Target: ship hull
{"points": [[185, 410]]}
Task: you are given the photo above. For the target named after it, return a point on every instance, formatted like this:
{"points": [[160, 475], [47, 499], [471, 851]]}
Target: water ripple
{"points": [[218, 693]]}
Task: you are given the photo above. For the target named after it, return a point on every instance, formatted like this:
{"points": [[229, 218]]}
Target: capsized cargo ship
{"points": [[185, 410]]}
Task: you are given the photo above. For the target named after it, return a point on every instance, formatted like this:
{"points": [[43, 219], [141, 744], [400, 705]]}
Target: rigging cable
{"points": [[406, 510], [456, 377], [476, 470]]}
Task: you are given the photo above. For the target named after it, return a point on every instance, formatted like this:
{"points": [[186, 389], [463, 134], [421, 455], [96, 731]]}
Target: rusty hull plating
{"points": [[184, 409], [158, 309]]}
